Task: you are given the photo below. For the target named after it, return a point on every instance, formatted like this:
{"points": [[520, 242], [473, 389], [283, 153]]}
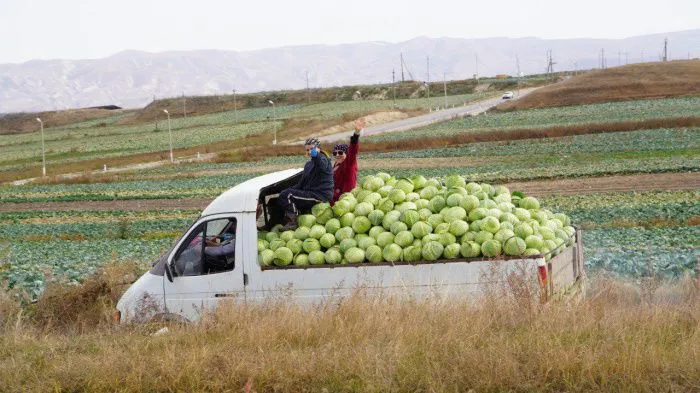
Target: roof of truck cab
{"points": [[244, 196]]}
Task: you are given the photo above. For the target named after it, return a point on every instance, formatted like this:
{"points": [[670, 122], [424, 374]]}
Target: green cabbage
{"points": [[451, 251], [361, 225], [354, 255], [392, 253], [403, 238], [283, 256], [470, 249], [317, 258], [373, 254], [317, 231], [333, 256], [432, 251], [327, 240], [491, 248], [301, 260], [332, 225], [265, 257], [311, 244]]}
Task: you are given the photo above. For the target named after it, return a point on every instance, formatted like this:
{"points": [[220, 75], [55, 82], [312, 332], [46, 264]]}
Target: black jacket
{"points": [[318, 177]]}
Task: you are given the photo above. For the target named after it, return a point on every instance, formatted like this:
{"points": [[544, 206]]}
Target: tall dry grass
{"points": [[623, 338]]}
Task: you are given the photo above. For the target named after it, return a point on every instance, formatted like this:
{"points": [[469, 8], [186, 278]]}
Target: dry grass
{"points": [[623, 338], [26, 122], [630, 82]]}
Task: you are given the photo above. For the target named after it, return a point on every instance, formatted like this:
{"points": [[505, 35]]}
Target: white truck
{"points": [[188, 280]]}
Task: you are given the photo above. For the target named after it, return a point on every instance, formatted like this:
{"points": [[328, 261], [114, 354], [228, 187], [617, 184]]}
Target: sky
{"points": [[88, 29]]}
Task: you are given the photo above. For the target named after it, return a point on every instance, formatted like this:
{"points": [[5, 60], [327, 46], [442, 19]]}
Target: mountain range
{"points": [[133, 78]]}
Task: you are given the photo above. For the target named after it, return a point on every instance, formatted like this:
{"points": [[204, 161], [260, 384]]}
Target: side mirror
{"points": [[169, 271]]}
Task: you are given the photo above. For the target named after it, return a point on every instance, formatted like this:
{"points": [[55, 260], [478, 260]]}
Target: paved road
{"points": [[474, 108]]}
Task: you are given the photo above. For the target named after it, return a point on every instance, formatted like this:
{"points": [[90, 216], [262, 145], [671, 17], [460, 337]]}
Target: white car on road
{"points": [[507, 95]]}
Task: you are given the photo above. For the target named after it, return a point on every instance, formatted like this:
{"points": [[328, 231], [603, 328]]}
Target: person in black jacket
{"points": [[316, 185]]}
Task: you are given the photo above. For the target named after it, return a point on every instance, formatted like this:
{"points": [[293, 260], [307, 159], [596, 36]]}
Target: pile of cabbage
{"points": [[415, 219]]}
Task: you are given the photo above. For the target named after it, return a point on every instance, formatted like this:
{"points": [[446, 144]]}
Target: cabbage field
{"points": [[627, 232]]}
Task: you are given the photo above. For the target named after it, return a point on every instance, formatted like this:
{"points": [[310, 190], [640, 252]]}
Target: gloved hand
{"points": [[314, 152]]}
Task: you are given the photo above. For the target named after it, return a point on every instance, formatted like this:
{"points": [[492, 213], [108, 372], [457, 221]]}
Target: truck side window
{"points": [[209, 249]]}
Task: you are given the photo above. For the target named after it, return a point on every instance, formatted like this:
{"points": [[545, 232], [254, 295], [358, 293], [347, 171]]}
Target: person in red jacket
{"points": [[345, 163]]}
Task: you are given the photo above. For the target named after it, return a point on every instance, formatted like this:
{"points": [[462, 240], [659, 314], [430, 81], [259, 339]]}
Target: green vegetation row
{"points": [[42, 247], [596, 113]]}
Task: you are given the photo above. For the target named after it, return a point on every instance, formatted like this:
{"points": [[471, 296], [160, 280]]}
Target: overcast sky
{"points": [[81, 29]]}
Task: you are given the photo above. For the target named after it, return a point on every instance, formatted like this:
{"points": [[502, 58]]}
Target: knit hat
{"points": [[313, 142], [342, 147]]}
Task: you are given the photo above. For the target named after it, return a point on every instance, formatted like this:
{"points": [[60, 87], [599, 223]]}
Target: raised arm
{"points": [[354, 147]]}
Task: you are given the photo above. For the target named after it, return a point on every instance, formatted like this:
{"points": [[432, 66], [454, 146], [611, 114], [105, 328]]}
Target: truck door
{"points": [[207, 267]]}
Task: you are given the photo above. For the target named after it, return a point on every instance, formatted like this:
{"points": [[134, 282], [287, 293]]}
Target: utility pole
{"points": [[235, 107], [308, 93], [184, 105], [603, 64], [444, 86], [665, 58], [156, 115], [402, 77], [550, 64], [428, 83], [517, 69], [393, 84], [476, 62]]}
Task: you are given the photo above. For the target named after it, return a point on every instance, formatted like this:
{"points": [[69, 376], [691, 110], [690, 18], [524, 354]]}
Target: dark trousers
{"points": [[298, 201]]}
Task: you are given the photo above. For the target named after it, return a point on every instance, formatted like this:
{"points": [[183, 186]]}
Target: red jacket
{"points": [[345, 174]]}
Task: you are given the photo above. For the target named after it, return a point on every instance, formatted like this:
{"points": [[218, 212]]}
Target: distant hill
{"points": [[131, 79], [630, 82]]}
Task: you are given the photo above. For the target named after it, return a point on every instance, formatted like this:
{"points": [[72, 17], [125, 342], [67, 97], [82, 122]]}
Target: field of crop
{"points": [[629, 234], [115, 137], [596, 113]]}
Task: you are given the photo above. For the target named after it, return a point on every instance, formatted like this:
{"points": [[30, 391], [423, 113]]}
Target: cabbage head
{"points": [[410, 217], [295, 245], [265, 257], [344, 233], [384, 239], [361, 225], [376, 217], [332, 225], [327, 241], [347, 219], [470, 249], [373, 254], [354, 255], [333, 256], [432, 251], [451, 251], [403, 238], [317, 231], [491, 248], [301, 260], [514, 246], [283, 256], [421, 229], [392, 253], [347, 244], [323, 212]]}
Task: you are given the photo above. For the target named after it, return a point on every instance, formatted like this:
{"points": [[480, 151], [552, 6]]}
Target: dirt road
{"points": [[474, 108], [627, 183]]}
